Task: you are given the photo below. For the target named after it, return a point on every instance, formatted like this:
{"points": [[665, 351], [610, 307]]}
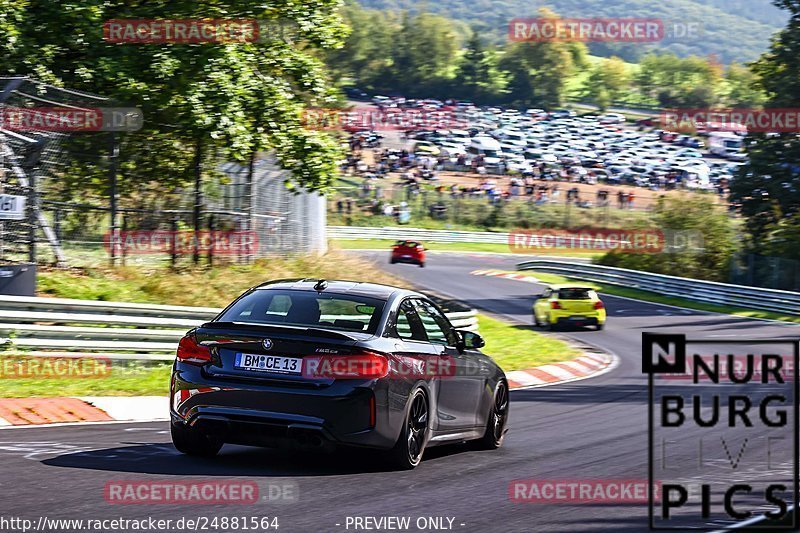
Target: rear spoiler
{"points": [[277, 328]]}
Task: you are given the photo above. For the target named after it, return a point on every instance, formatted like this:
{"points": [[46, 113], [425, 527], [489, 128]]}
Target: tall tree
{"points": [[538, 71], [608, 81], [679, 82], [195, 97], [478, 77], [424, 55], [366, 54], [742, 87], [768, 187]]}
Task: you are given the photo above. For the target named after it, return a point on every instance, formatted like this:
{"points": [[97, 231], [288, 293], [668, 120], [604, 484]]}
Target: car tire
{"points": [[392, 261], [552, 326], [407, 452], [422, 265], [497, 423], [536, 320], [599, 326], [192, 442]]}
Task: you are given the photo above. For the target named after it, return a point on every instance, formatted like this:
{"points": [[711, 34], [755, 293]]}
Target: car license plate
{"points": [[577, 318], [269, 363]]}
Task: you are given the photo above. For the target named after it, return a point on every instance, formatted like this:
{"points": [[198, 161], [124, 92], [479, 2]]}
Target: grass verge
{"points": [[123, 380], [205, 287], [661, 299], [513, 347], [386, 244], [516, 347]]}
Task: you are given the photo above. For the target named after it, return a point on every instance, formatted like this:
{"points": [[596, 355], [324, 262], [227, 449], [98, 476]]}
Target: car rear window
{"points": [[575, 294], [304, 308]]}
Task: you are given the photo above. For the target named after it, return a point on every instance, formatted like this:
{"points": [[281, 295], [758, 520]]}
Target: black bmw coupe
{"points": [[317, 364]]}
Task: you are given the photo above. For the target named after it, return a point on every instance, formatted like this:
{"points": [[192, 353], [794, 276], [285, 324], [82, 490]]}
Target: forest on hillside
{"points": [[732, 30]]}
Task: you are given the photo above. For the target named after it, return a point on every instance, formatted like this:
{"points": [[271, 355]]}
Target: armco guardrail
{"points": [[429, 235], [53, 326], [690, 289], [437, 235]]}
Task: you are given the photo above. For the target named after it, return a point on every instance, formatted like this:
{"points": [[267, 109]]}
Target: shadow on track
{"points": [[637, 522], [162, 458], [579, 394], [728, 322]]}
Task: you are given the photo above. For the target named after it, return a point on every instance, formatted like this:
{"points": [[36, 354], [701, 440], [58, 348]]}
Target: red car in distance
{"points": [[408, 252]]}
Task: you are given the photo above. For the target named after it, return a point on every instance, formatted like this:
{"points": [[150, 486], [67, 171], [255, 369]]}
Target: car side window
{"points": [[437, 327], [408, 324]]}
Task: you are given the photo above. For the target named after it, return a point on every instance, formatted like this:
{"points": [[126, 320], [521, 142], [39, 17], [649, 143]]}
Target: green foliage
{"points": [[477, 214], [519, 347], [425, 55], [213, 287], [478, 75], [225, 100], [124, 379], [608, 81], [680, 83], [741, 88], [686, 214], [733, 30], [768, 187], [418, 54]]}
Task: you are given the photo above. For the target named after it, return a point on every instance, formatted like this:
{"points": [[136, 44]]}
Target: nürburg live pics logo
{"points": [[722, 433]]}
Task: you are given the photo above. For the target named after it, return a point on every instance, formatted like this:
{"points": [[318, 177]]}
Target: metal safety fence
{"points": [[82, 197], [739, 296], [50, 327]]}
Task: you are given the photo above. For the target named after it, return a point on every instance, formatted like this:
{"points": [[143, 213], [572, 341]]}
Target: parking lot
{"points": [[518, 148]]}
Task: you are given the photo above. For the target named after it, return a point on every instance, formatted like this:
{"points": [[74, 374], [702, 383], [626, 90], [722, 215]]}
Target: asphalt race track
{"points": [[591, 429]]}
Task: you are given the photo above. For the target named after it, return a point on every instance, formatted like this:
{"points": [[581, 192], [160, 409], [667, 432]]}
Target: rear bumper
{"points": [[411, 259], [243, 426], [583, 321], [278, 415], [589, 318]]}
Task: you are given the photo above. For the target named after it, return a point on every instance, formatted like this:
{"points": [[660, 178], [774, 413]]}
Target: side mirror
{"points": [[470, 340]]}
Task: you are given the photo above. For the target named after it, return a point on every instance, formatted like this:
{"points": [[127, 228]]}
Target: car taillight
{"points": [[361, 365], [555, 305], [599, 305], [189, 351]]}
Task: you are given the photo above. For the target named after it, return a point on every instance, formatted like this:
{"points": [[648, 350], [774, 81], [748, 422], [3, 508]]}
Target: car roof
{"points": [[373, 290], [560, 286]]}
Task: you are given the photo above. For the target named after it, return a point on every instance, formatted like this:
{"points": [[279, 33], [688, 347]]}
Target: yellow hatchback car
{"points": [[569, 304]]}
